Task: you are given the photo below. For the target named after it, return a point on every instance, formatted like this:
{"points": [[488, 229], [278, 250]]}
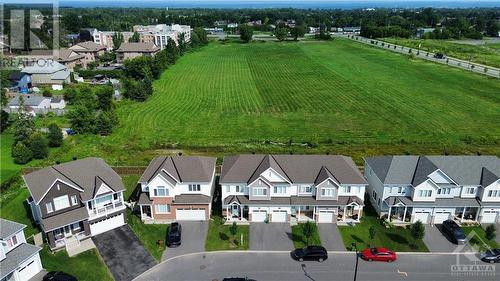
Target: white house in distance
{"points": [[433, 189], [177, 188], [19, 261], [35, 104], [291, 188]]}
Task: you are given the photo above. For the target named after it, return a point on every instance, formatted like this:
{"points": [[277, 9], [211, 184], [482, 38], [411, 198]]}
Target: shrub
{"points": [[371, 232], [21, 153], [417, 230], [55, 136], [233, 229], [490, 232]]}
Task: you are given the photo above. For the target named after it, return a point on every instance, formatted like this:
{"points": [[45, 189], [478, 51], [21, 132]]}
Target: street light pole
{"points": [[357, 258]]}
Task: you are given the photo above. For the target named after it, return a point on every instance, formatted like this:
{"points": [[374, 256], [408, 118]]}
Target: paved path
{"points": [[436, 241], [123, 253], [270, 236], [330, 237], [194, 234], [338, 267], [453, 62]]}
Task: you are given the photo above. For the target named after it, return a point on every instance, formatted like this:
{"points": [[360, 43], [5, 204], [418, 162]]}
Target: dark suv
{"points": [[454, 231], [315, 253], [174, 235]]}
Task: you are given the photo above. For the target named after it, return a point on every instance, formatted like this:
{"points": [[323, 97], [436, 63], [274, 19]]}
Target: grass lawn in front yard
{"points": [[85, 266], [149, 234], [300, 241], [479, 241], [397, 238], [219, 236]]}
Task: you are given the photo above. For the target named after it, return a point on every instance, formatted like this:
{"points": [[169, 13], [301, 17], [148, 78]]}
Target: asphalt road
{"points": [[340, 266]]}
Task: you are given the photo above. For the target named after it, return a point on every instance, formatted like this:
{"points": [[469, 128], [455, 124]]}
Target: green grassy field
{"points": [[8, 167], [487, 54], [307, 97]]}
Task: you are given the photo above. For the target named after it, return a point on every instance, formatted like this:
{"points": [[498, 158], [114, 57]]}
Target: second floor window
{"points": [[346, 189], [259, 192], [74, 200], [161, 191], [280, 189], [305, 189], [194, 187], [12, 241], [61, 202], [444, 190], [470, 190], [494, 193], [49, 207], [425, 193], [239, 188], [328, 192]]}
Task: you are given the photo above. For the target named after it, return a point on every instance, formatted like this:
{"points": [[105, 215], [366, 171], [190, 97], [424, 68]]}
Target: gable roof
{"points": [[488, 177], [29, 100], [138, 47], [323, 175], [180, 169], [464, 170], [65, 55], [297, 168], [268, 162], [44, 67], [89, 46], [82, 174], [9, 228], [15, 257]]}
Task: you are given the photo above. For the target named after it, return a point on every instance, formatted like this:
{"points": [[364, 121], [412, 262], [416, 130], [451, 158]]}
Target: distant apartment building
{"points": [[133, 50], [156, 34]]}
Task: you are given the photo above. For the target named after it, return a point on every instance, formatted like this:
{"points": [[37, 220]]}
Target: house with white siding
{"points": [[291, 188], [432, 189]]}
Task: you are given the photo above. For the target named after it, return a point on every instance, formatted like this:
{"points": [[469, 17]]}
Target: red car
{"points": [[378, 254]]}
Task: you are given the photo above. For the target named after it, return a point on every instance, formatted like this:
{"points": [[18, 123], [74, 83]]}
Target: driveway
{"points": [[270, 236], [123, 253], [194, 234], [330, 237], [436, 241]]}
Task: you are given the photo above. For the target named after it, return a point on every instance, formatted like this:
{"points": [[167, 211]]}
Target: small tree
{"points": [[281, 33], [104, 96], [490, 232], [136, 37], [47, 93], [246, 33], [55, 136], [117, 40], [24, 126], [307, 231], [233, 229], [417, 230], [298, 31], [21, 153], [372, 232], [38, 146]]}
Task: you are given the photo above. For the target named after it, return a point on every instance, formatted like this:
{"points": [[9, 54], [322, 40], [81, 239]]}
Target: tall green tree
{"points": [[82, 119], [21, 153], [135, 38], [104, 96], [39, 146], [298, 31], [202, 35], [246, 33], [117, 40], [24, 126], [182, 43], [172, 51], [55, 135], [281, 33]]}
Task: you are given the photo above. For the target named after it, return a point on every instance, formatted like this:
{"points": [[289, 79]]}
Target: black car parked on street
{"points": [[58, 276], [174, 235], [491, 256], [315, 253], [454, 231]]}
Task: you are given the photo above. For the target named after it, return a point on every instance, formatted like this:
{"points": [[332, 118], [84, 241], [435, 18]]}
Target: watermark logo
{"points": [[29, 33], [468, 261]]}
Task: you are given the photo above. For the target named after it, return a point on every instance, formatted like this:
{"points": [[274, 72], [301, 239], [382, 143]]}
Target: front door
{"points": [[234, 211], [67, 231]]}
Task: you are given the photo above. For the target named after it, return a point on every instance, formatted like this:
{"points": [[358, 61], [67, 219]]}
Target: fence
{"points": [[454, 62]]}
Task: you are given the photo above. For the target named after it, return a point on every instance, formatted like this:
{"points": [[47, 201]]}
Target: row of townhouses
{"points": [[76, 200], [157, 34]]}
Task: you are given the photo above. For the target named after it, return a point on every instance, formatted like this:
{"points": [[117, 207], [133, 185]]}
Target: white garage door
{"points": [[259, 215], [279, 216], [325, 216], [440, 217], [107, 224], [421, 216], [30, 269], [190, 214], [489, 216]]}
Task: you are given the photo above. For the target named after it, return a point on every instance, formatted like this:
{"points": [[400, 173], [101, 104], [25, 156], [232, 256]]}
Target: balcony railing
{"points": [[106, 209]]}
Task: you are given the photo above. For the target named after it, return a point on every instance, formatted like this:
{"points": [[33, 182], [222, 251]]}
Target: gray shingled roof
{"points": [[62, 219], [297, 168], [180, 168], [293, 201], [29, 100], [84, 174], [441, 202], [144, 199], [267, 162], [138, 47], [15, 257], [44, 67], [464, 170], [9, 228], [90, 46], [192, 199], [488, 177]]}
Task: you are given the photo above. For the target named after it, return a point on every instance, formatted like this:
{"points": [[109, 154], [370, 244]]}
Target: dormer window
{"points": [[494, 193], [444, 190], [194, 187], [49, 208], [470, 190], [12, 241], [61, 202]]}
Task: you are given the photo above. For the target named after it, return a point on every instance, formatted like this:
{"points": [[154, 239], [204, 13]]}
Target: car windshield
{"points": [[459, 234]]}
